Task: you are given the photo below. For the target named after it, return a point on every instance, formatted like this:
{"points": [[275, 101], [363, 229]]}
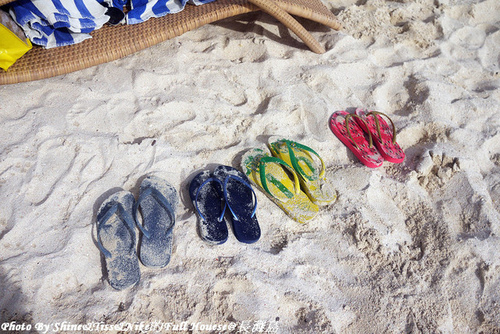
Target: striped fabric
{"points": [[142, 10], [52, 23]]}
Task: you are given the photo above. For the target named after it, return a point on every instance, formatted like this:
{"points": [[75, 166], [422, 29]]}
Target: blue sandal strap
{"points": [[160, 199], [198, 193], [117, 208], [237, 178]]}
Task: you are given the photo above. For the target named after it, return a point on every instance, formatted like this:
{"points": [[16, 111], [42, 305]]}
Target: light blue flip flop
{"points": [[157, 202], [116, 240]]}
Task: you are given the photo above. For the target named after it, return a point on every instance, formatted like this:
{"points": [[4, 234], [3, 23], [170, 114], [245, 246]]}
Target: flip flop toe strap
{"points": [[160, 199], [377, 124], [223, 203], [262, 170], [347, 119], [254, 196], [117, 209], [291, 145]]}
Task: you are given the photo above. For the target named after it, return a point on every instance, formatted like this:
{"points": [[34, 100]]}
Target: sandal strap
{"points": [[237, 178], [347, 118], [262, 169], [377, 123], [117, 209], [210, 179], [160, 199], [290, 145]]}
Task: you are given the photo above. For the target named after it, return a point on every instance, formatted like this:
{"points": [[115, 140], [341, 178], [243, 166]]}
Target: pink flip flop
{"points": [[383, 135], [352, 135]]}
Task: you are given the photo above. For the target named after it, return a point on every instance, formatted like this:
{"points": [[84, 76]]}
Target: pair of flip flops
{"points": [[221, 198], [117, 218], [293, 177], [381, 142]]}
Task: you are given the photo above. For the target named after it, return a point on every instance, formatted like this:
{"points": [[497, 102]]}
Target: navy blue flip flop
{"points": [[117, 241], [241, 201], [207, 196], [157, 202]]}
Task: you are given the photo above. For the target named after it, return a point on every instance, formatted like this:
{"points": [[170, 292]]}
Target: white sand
{"points": [[406, 248]]}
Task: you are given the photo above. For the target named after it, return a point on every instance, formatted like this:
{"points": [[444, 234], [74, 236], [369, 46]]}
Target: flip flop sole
{"points": [[116, 237], [240, 201], [297, 206], [155, 251], [369, 156], [210, 205], [390, 151], [317, 189]]}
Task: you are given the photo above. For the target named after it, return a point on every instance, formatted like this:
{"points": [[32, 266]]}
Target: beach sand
{"points": [[411, 247]]}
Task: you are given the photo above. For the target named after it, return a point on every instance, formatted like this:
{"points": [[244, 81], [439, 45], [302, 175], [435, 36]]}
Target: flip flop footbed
{"points": [[208, 200], [118, 238], [282, 189], [390, 151], [241, 203], [309, 168], [356, 142], [155, 250]]}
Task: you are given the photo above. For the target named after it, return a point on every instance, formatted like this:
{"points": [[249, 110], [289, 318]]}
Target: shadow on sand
{"points": [[14, 318]]}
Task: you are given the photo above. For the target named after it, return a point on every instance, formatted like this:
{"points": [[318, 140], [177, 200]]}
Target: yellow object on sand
{"points": [[268, 173], [311, 171]]}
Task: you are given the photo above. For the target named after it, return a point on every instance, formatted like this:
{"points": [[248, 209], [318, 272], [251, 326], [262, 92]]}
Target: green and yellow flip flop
{"points": [[311, 171], [268, 173]]}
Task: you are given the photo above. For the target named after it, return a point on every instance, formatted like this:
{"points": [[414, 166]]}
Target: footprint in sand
{"points": [[436, 170], [464, 202]]}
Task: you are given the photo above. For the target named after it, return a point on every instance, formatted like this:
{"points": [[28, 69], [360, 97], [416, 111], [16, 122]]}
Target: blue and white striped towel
{"points": [[52, 23], [143, 10]]}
